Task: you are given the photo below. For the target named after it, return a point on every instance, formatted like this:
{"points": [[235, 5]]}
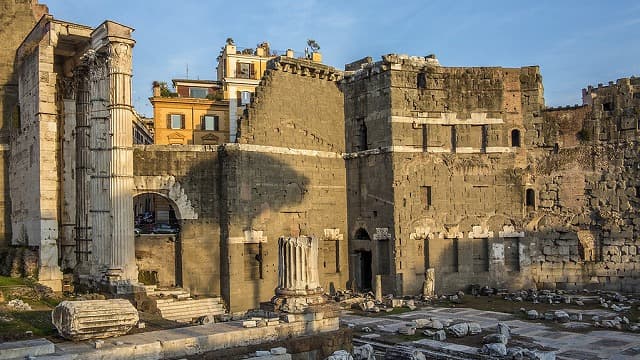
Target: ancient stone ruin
{"points": [[394, 167], [298, 285], [94, 319]]}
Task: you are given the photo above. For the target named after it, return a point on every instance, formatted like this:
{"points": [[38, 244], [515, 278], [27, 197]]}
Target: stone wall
{"points": [[156, 259], [554, 205], [16, 20], [446, 178], [188, 176], [286, 177], [586, 223]]}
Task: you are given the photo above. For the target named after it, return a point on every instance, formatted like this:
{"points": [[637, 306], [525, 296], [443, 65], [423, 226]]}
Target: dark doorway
{"points": [[364, 270], [530, 198], [361, 234], [515, 138]]}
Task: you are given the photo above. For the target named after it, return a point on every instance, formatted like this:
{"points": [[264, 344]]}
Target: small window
{"points": [[361, 136], [244, 70], [245, 97], [515, 138], [195, 92], [422, 81], [210, 122], [530, 198], [608, 106], [454, 139], [427, 195], [176, 121]]}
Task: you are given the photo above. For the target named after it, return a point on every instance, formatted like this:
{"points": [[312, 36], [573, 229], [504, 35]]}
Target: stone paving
{"points": [[596, 344]]}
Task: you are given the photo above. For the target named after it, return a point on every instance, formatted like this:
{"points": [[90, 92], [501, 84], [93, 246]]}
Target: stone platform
{"points": [[194, 340]]}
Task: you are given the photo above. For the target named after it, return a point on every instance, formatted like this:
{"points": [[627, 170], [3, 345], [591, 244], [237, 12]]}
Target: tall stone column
{"points": [[99, 159], [122, 263], [298, 283], [111, 149], [83, 224]]}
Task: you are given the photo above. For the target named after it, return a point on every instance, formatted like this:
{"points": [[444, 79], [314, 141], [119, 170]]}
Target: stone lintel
{"points": [[333, 234], [510, 232], [480, 233], [382, 234], [451, 235]]}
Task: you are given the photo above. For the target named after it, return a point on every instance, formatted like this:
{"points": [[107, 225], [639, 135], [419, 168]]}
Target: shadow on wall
{"points": [[268, 192], [264, 196], [240, 196]]}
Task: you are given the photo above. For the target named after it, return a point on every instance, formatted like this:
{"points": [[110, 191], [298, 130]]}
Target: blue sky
{"points": [[576, 43]]}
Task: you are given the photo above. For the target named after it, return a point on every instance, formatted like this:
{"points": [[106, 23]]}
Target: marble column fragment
{"points": [[94, 319], [298, 266]]}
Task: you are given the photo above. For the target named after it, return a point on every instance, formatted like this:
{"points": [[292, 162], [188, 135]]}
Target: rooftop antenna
{"points": [[187, 71]]}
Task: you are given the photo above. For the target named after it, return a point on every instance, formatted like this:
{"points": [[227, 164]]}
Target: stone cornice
{"points": [[304, 67]]}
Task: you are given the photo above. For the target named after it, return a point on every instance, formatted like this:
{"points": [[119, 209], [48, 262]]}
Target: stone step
{"points": [[167, 292], [189, 302], [149, 288], [188, 317], [200, 310], [189, 307], [187, 310]]}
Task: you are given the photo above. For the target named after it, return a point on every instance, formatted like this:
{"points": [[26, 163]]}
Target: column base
{"points": [[295, 304], [51, 277]]}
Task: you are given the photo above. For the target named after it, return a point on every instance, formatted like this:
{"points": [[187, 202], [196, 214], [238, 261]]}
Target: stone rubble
{"points": [[19, 305], [364, 352]]}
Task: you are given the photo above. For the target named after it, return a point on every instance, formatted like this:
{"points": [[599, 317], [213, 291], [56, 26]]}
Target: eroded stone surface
{"points": [[94, 319]]}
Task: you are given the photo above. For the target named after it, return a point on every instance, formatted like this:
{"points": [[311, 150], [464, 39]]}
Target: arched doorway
{"points": [[362, 260], [157, 239]]}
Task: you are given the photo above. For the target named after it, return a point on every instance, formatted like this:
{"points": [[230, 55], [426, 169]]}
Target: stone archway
{"points": [[168, 187], [158, 245]]}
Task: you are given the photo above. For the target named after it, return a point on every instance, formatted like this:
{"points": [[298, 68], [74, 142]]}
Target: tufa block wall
{"points": [[286, 177], [17, 18], [189, 177]]}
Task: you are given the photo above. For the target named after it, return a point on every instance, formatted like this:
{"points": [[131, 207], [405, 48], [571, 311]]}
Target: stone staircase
{"points": [[176, 304]]}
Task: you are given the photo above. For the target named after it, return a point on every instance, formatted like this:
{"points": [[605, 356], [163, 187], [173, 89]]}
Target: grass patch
{"points": [[39, 322], [11, 281]]}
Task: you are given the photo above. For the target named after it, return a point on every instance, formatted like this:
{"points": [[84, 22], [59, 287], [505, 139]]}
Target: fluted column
{"points": [[83, 225], [298, 266], [99, 159], [122, 252]]}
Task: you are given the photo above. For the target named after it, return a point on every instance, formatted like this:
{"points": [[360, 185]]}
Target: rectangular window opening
{"points": [[427, 196], [200, 93], [176, 121], [210, 123]]}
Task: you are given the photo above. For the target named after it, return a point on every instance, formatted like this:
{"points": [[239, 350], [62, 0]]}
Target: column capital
{"points": [[119, 57]]}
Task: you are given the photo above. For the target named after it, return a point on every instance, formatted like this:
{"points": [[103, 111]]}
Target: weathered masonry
{"points": [[465, 171], [437, 171], [285, 178], [16, 20], [395, 168], [71, 168]]}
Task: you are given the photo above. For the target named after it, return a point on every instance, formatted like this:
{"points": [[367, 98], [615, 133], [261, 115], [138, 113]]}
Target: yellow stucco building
{"points": [[207, 112], [194, 115], [239, 72]]}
